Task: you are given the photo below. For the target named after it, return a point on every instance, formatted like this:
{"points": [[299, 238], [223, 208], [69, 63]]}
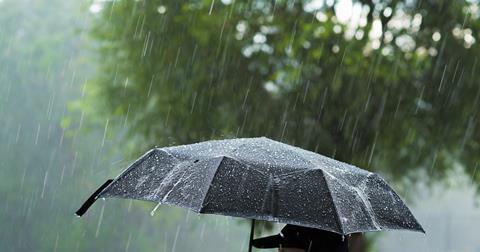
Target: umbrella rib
{"points": [[339, 221], [223, 157], [366, 202], [141, 159], [128, 169], [210, 183], [395, 193], [110, 182], [162, 182], [135, 164]]}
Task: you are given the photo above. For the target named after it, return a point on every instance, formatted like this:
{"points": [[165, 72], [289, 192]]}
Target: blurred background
{"points": [[87, 86]]}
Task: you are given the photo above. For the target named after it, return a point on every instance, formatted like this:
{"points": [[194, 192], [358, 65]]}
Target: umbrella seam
{"points": [[128, 169], [215, 174], [210, 183], [162, 184], [366, 202], [396, 194], [339, 221], [136, 163]]}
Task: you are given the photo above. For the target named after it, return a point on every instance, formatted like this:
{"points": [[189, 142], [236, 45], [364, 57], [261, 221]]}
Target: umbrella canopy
{"points": [[259, 178]]}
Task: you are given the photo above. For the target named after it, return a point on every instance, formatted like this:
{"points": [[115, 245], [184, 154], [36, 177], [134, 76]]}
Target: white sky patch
{"points": [[387, 12], [457, 32], [436, 36], [95, 7], [320, 16], [268, 29], [271, 87], [335, 49], [161, 9], [350, 18], [399, 21], [356, 17], [375, 44], [465, 34], [241, 26], [359, 34], [416, 22], [469, 40], [259, 38], [337, 29], [343, 11], [388, 37], [405, 42], [376, 31], [241, 29], [313, 5], [387, 50]]}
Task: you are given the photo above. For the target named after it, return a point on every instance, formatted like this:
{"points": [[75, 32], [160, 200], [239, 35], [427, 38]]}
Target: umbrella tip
{"points": [[89, 202], [82, 210], [420, 228], [423, 231]]}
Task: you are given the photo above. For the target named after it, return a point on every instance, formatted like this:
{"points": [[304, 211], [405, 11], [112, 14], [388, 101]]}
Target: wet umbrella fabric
{"points": [[262, 179]]}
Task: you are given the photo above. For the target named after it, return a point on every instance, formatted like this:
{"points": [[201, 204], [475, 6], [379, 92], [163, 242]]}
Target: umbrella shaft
{"points": [[252, 229]]}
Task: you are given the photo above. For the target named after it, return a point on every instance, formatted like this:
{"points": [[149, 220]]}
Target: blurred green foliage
{"points": [[44, 174], [397, 92]]}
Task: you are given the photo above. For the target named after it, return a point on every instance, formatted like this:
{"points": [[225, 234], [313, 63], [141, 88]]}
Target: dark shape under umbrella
{"points": [[262, 179], [309, 239]]}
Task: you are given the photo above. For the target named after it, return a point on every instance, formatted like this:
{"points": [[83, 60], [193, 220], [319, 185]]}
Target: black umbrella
{"points": [[262, 179]]}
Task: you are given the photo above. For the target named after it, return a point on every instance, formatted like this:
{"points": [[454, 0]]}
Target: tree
{"points": [[395, 91]]}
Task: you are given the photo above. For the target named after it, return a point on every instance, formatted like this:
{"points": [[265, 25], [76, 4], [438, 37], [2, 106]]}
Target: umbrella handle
{"points": [[252, 229]]}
